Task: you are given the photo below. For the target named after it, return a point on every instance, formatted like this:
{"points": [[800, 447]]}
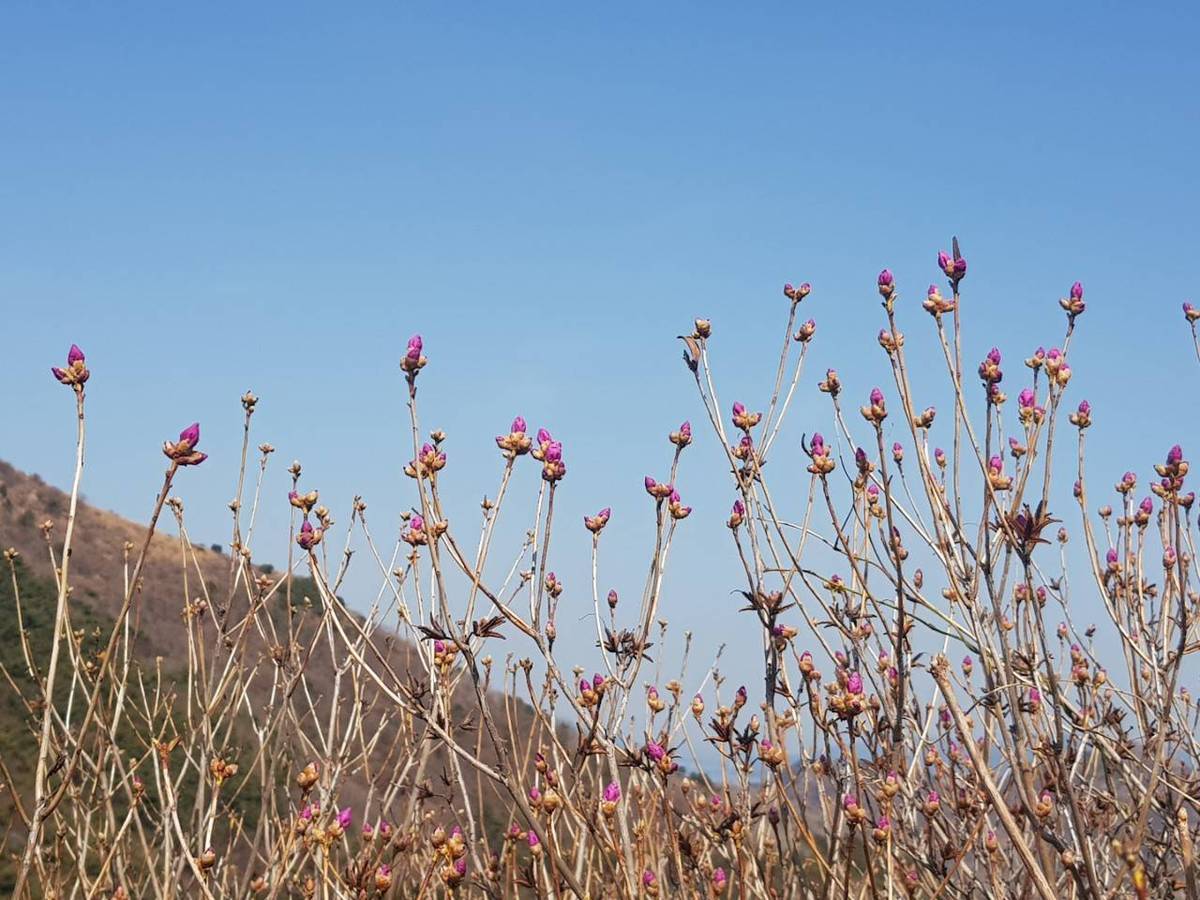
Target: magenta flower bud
{"points": [[307, 813], [1146, 506], [686, 429], [739, 508], [190, 435], [415, 344], [939, 456], [597, 681], [460, 866], [534, 794], [944, 260], [650, 483], [518, 424], [416, 523], [897, 451], [584, 685], [345, 814], [741, 696], [1175, 455], [648, 878], [994, 356], [543, 436], [818, 444], [612, 793], [533, 840], [1026, 399], [655, 751], [738, 408], [854, 683], [886, 279], [553, 451], [1085, 408], [74, 355], [719, 878], [876, 397], [849, 802], [1077, 291], [1111, 556]]}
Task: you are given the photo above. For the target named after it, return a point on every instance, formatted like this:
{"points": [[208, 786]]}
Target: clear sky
{"points": [[212, 198]]}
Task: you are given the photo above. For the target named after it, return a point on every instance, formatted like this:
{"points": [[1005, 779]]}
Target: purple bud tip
{"points": [[518, 424], [605, 513], [1147, 506], [554, 451], [739, 508], [460, 866], [886, 279], [344, 816], [854, 684], [191, 434], [943, 259], [306, 527], [876, 397], [1026, 398], [1077, 291], [543, 436], [1174, 455], [74, 355], [685, 428], [416, 523], [533, 839], [738, 408], [650, 483], [648, 878], [994, 356], [612, 793], [1085, 408]]}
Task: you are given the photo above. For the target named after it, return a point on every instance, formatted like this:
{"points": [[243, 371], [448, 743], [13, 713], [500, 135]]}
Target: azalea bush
{"points": [[936, 716]]}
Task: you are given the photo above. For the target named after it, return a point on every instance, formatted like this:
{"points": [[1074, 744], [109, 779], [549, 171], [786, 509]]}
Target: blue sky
{"points": [[276, 196]]}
